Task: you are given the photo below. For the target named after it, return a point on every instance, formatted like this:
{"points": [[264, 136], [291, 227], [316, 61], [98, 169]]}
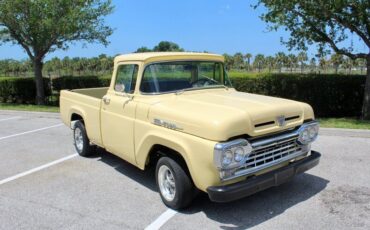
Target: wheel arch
{"points": [[76, 114], [156, 144], [158, 150]]}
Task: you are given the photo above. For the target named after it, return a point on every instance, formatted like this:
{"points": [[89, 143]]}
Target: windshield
{"points": [[183, 75]]}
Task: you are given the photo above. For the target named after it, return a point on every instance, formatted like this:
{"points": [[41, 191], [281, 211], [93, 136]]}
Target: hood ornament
{"points": [[281, 120]]}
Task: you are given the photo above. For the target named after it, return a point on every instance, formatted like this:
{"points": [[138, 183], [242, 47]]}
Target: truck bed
{"points": [[92, 92], [87, 100]]}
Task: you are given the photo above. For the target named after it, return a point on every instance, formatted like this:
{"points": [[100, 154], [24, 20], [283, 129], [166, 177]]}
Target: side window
{"points": [[126, 77]]}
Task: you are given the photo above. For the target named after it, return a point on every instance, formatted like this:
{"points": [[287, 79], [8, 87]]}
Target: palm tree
{"points": [[229, 61], [259, 62], [238, 61], [348, 64], [270, 62], [336, 60], [292, 62], [248, 56], [313, 64], [280, 60], [302, 58], [361, 63]]}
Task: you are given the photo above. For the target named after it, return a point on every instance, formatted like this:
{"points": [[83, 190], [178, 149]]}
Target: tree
{"points": [[313, 64], [292, 61], [302, 58], [336, 60], [280, 59], [259, 62], [348, 65], [166, 46], [361, 63], [270, 62], [238, 61], [143, 49], [248, 56], [229, 61], [43, 26], [327, 23]]}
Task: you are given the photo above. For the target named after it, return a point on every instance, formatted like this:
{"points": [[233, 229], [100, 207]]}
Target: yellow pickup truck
{"points": [[179, 113]]}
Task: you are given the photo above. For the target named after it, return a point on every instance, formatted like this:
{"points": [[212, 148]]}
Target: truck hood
{"points": [[220, 114]]}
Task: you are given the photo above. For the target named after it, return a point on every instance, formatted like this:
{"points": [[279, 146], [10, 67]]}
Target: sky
{"points": [[217, 26]]}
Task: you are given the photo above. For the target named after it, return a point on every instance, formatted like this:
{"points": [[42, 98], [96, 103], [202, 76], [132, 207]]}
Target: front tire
{"points": [[174, 185], [81, 141]]}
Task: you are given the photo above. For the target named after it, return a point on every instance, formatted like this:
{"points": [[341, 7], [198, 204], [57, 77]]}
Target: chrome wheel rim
{"points": [[166, 182], [79, 142]]}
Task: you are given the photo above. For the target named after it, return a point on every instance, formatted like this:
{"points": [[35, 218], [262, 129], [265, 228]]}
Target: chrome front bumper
{"points": [[226, 193]]}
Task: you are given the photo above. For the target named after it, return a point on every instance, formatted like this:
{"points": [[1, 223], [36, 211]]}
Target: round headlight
{"points": [[239, 154], [227, 158], [308, 134], [305, 135], [312, 132]]}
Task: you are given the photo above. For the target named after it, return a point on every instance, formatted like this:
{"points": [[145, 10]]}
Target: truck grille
{"points": [[269, 153]]}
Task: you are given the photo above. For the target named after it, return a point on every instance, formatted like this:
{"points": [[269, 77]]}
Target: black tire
{"points": [[184, 188], [85, 149]]}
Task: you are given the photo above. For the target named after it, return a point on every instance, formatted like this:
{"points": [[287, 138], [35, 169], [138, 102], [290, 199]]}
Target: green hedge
{"points": [[69, 82], [20, 90], [329, 95]]}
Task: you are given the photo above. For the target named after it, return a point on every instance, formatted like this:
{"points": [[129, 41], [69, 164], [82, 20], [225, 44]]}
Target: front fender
{"points": [[197, 152]]}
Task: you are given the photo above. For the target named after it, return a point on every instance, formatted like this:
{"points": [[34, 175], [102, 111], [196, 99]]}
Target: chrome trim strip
{"points": [[274, 140]]}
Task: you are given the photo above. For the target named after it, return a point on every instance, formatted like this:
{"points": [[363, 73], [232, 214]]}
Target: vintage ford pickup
{"points": [[179, 113]]}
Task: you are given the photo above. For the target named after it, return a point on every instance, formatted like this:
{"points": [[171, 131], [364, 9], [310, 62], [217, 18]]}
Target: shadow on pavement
{"points": [[145, 178], [260, 207], [241, 214]]}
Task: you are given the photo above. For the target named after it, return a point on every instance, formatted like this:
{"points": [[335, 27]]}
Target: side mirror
{"points": [[120, 88]]}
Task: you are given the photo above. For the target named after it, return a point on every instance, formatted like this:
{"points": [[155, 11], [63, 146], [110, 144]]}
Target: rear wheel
{"points": [[81, 141], [174, 185]]}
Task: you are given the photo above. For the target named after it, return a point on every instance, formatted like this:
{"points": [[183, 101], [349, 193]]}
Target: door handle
{"points": [[106, 100]]}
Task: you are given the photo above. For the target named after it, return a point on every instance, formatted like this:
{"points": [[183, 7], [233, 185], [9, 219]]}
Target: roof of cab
{"points": [[163, 56]]}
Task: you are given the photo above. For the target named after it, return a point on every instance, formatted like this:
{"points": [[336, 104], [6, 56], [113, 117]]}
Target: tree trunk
{"points": [[40, 93], [366, 102]]}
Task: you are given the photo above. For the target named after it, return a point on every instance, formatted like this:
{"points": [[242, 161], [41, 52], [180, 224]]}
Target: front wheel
{"points": [[81, 141], [174, 185]]}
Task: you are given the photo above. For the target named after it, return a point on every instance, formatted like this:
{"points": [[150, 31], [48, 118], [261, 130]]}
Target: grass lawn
{"points": [[346, 123], [33, 108]]}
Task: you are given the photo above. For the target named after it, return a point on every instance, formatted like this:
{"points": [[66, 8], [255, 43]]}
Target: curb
{"points": [[32, 113]]}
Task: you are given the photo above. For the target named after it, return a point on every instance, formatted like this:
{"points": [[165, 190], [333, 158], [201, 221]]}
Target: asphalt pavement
{"points": [[45, 185]]}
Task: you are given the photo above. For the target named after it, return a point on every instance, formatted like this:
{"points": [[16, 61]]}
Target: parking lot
{"points": [[45, 185]]}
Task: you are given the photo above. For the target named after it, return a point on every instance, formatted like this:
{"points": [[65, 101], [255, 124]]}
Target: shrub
{"points": [[329, 95], [69, 82], [20, 90]]}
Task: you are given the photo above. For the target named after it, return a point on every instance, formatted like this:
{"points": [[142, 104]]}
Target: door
{"points": [[118, 113]]}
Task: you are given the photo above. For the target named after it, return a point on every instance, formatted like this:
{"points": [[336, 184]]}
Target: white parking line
{"points": [[161, 220], [10, 118], [32, 131], [37, 169]]}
